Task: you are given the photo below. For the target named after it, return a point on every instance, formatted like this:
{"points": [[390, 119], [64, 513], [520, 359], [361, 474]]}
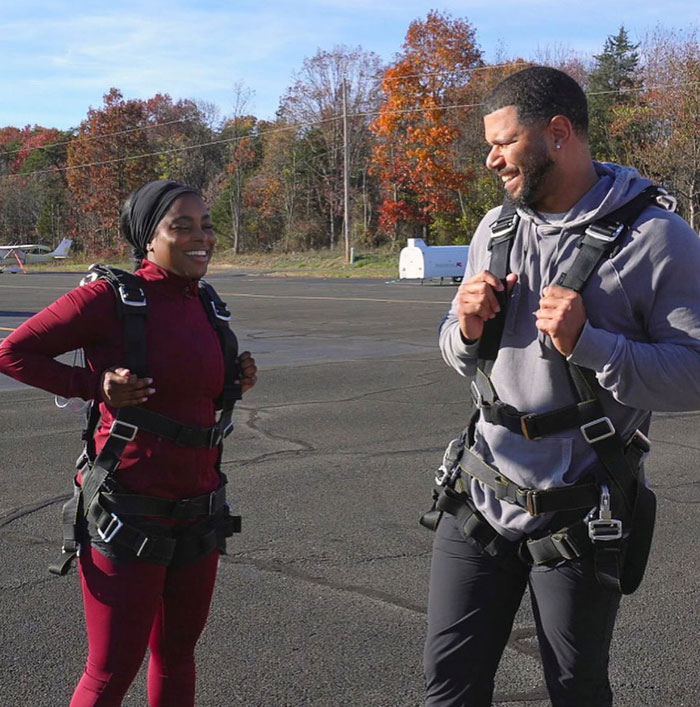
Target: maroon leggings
{"points": [[130, 607]]}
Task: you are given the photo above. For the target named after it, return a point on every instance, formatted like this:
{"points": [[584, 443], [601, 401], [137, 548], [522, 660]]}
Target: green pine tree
{"points": [[611, 84]]}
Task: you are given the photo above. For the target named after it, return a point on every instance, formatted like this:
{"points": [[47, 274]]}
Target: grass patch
{"points": [[317, 263]]}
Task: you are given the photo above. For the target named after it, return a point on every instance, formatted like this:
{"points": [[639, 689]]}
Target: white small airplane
{"points": [[28, 253]]}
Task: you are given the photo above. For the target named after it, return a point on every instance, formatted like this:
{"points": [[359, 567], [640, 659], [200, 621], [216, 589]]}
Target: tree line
{"points": [[414, 145]]}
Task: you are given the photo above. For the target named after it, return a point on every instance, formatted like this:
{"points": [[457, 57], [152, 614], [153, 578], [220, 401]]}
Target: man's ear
{"points": [[560, 131]]}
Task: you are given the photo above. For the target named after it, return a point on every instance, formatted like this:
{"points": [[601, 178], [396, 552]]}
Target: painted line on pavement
{"points": [[296, 297]]}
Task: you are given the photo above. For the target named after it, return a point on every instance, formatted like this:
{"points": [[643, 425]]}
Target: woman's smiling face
{"points": [[184, 239]]}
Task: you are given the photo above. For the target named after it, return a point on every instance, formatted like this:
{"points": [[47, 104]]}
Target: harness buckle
{"points": [[113, 527], [604, 530], [592, 436], [477, 397], [666, 201], [441, 475], [212, 502], [605, 527], [607, 234], [217, 435], [91, 276], [532, 503], [525, 421], [128, 436], [222, 312], [565, 546], [132, 298], [641, 443], [503, 227]]}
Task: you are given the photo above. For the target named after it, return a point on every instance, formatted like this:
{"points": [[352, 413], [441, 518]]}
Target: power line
{"points": [[490, 67], [101, 136], [184, 119], [296, 126], [156, 153], [152, 126]]}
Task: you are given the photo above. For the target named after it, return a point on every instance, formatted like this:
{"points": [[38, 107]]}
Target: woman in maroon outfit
{"points": [[132, 603]]}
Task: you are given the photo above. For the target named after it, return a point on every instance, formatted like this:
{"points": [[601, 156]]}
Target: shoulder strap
{"points": [[503, 231], [603, 237], [132, 309], [220, 316]]}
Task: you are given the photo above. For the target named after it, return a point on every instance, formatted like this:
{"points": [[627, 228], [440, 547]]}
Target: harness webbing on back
{"points": [[94, 499], [616, 487]]}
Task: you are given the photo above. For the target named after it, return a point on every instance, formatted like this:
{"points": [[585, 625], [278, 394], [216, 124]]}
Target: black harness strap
{"points": [[619, 463], [219, 316], [91, 499], [126, 504], [603, 237], [503, 232]]}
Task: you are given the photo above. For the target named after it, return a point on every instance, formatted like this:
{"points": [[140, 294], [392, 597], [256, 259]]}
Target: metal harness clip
{"points": [[221, 312], [505, 226], [132, 298], [605, 233], [604, 527], [111, 530], [441, 475], [666, 201], [592, 435], [128, 435]]}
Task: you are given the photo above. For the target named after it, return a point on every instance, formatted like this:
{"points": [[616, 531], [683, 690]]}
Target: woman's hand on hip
{"points": [[121, 388]]}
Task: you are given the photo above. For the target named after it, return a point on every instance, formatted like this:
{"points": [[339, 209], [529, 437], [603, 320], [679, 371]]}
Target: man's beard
{"points": [[533, 171]]}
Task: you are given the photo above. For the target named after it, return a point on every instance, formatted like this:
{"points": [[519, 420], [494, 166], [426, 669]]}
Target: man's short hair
{"points": [[538, 93]]}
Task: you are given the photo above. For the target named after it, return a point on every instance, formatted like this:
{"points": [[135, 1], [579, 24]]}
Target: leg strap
{"points": [[71, 515]]}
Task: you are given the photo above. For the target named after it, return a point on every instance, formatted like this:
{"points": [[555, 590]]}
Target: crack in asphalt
{"points": [[29, 584], [693, 447], [354, 398], [252, 423], [517, 640], [24, 511], [302, 576]]}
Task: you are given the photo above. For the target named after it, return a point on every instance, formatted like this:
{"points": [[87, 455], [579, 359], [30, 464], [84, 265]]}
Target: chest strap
{"points": [[132, 419], [531, 425]]}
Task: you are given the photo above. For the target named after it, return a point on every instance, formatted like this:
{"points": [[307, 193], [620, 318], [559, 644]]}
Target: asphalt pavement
{"points": [[321, 600]]}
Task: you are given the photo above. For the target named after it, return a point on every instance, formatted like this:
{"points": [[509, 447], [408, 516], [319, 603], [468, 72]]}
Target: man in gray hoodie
{"points": [[635, 325]]}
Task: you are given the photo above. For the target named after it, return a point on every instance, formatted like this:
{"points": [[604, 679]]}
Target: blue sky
{"points": [[59, 57]]}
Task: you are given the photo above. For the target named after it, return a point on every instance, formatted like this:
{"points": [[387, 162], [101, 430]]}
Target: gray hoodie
{"points": [[642, 337]]}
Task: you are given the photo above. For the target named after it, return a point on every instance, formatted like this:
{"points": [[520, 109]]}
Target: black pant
{"points": [[471, 607]]}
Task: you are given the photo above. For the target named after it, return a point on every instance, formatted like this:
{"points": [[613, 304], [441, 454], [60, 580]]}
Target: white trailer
{"points": [[419, 261]]}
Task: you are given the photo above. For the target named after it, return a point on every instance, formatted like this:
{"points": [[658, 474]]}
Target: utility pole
{"points": [[346, 173]]}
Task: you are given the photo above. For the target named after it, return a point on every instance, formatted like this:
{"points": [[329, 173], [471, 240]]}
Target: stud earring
{"points": [[558, 146]]}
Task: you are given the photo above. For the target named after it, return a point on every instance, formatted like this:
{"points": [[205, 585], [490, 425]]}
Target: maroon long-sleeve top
{"points": [[184, 360]]}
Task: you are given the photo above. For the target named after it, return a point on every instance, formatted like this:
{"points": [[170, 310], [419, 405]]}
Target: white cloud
{"points": [[58, 57]]}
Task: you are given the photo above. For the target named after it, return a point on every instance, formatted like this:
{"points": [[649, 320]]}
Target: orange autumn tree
{"points": [[110, 156], [417, 129]]}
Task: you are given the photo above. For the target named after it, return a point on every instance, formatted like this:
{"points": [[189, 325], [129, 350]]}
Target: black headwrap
{"points": [[144, 209]]}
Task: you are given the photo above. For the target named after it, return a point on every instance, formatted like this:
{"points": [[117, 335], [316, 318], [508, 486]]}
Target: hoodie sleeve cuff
{"points": [[594, 349]]}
